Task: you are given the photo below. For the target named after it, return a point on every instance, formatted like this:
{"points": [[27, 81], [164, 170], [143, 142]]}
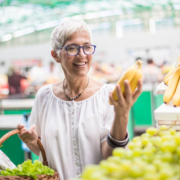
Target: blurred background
{"points": [[123, 30]]}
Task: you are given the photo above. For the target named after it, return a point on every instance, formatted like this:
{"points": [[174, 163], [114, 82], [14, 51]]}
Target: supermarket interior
{"points": [[124, 31]]}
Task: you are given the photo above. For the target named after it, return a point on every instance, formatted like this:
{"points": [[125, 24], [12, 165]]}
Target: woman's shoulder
{"points": [[44, 91]]}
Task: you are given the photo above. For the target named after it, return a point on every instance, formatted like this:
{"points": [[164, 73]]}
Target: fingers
{"points": [[26, 132], [127, 90], [113, 102], [138, 91], [32, 129], [20, 126], [119, 94]]}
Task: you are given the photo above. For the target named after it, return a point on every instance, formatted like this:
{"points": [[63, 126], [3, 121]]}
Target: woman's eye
{"points": [[71, 48], [87, 47]]}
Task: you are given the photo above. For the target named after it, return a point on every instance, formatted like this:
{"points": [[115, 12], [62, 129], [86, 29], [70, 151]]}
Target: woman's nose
{"points": [[81, 52]]}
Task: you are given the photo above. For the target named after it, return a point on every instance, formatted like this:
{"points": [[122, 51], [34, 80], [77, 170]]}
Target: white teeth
{"points": [[79, 64]]}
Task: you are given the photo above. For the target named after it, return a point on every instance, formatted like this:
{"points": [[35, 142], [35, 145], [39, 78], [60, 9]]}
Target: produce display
{"points": [[133, 75], [172, 79], [28, 169], [155, 155]]}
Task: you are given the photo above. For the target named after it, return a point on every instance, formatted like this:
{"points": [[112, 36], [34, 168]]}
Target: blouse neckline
{"points": [[51, 88]]}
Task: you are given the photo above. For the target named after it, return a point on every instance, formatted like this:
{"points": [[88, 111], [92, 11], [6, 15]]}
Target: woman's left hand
{"points": [[124, 104]]}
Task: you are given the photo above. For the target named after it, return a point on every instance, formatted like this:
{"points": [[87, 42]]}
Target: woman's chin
{"points": [[81, 74]]}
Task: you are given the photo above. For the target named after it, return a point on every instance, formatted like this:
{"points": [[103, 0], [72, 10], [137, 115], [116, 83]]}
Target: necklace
{"points": [[73, 98]]}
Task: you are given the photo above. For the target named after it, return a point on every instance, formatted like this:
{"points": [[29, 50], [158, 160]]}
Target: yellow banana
{"points": [[136, 78], [171, 86], [171, 71], [128, 75], [176, 98], [166, 81]]}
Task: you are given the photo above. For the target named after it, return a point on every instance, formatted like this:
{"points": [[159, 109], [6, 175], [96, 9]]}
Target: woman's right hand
{"points": [[28, 136]]}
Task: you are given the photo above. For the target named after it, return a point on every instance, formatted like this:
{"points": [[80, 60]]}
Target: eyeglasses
{"points": [[73, 50]]}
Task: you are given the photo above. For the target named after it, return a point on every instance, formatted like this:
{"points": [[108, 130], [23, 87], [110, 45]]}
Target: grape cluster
{"points": [[155, 155]]}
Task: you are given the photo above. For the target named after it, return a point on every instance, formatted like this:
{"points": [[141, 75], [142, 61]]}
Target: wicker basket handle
{"points": [[17, 131]]}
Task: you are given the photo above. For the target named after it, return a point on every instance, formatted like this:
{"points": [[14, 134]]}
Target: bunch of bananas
{"points": [[133, 75], [172, 79], [169, 75]]}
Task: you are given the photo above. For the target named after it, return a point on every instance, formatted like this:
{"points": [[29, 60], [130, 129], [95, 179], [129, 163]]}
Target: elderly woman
{"points": [[74, 119]]}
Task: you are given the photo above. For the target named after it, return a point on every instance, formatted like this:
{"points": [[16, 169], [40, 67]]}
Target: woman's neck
{"points": [[74, 86]]}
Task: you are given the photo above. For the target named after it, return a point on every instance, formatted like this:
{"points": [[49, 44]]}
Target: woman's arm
{"points": [[121, 108], [29, 137]]}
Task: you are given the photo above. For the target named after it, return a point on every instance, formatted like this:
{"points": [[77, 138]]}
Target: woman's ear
{"points": [[55, 56]]}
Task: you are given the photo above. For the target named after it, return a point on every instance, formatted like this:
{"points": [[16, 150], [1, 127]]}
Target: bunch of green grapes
{"points": [[155, 155]]}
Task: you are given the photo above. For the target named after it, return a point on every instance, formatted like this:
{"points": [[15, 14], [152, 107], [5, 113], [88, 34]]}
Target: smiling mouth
{"points": [[80, 64]]}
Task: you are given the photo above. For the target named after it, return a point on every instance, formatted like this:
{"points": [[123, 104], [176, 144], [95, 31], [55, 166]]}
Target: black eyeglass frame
{"points": [[79, 49]]}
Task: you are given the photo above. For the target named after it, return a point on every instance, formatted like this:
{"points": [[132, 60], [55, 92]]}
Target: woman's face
{"points": [[70, 64]]}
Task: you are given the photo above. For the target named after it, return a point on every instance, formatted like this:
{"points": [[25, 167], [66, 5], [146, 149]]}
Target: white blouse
{"points": [[72, 132]]}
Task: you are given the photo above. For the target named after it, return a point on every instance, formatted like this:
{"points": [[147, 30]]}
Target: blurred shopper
{"points": [[38, 74], [151, 73], [3, 86], [14, 81], [73, 117], [53, 73]]}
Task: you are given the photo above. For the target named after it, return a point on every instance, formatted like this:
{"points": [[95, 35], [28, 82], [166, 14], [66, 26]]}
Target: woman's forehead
{"points": [[78, 37]]}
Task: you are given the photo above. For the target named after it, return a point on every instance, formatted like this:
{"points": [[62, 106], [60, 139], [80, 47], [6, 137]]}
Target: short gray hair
{"points": [[65, 30]]}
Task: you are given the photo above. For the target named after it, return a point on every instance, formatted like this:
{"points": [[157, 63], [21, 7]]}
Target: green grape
{"points": [[163, 127], [156, 141], [117, 175], [136, 139], [166, 173], [114, 159], [166, 138], [138, 144], [135, 171], [136, 152], [145, 135], [131, 145], [109, 166], [164, 133], [147, 152], [169, 146], [172, 131], [152, 131], [145, 158], [88, 170], [129, 154], [157, 163], [175, 158], [119, 152], [97, 175], [150, 169], [151, 147], [145, 141], [178, 151], [150, 176], [125, 166], [167, 157], [177, 139], [140, 178]]}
